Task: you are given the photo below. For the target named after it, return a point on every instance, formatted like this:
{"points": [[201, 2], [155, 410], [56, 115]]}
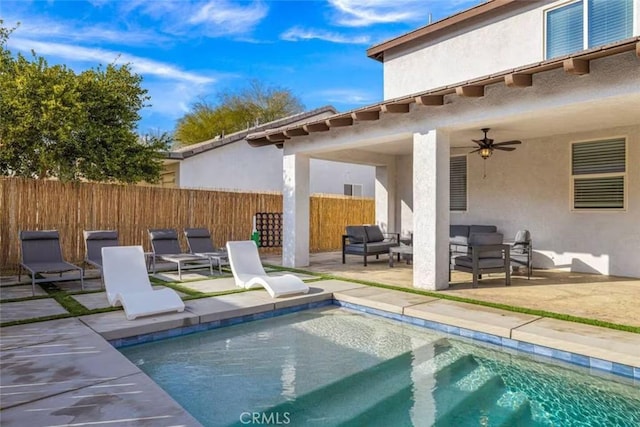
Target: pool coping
{"points": [[575, 344]]}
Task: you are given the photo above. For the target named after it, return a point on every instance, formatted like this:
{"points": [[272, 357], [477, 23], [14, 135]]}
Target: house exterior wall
{"points": [[238, 166], [511, 39], [530, 188]]}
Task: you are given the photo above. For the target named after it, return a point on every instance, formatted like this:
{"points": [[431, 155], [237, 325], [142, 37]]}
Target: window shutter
{"points": [[604, 159], [458, 183], [598, 157], [564, 30], [348, 190], [598, 193], [609, 21]]}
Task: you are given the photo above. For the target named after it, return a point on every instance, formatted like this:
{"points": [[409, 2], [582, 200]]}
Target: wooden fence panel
{"points": [[71, 208]]}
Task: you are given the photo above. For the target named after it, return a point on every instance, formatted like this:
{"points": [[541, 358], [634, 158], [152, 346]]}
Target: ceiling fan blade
{"points": [[514, 142], [504, 148], [475, 151], [480, 142]]}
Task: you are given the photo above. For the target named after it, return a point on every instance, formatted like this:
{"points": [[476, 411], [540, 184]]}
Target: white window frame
{"points": [[360, 186], [625, 179], [466, 184], [585, 23]]}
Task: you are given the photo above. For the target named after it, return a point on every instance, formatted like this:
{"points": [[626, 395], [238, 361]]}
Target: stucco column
{"points": [[431, 210], [295, 203], [385, 197]]}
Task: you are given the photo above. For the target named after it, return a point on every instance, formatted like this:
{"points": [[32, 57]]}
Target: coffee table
{"points": [[405, 250]]}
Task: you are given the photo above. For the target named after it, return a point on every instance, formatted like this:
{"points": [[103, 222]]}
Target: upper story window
{"points": [[587, 23], [353, 190]]}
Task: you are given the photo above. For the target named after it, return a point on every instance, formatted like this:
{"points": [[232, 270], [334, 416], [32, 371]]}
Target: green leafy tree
{"points": [[235, 111], [56, 123]]}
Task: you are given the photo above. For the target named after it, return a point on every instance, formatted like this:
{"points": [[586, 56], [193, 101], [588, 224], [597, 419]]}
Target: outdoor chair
{"points": [[488, 255], [94, 241], [42, 254], [522, 252], [366, 240], [200, 243], [166, 247], [127, 283], [248, 271]]}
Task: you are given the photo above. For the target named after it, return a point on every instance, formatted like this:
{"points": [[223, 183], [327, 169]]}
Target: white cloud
{"points": [[347, 96], [42, 28], [225, 17], [82, 54], [361, 13], [297, 33]]}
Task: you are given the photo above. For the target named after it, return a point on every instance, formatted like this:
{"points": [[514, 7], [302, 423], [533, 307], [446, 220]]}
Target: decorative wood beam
{"points": [[395, 108], [470, 91], [277, 137], [339, 121], [316, 127], [295, 132], [576, 66], [638, 49], [430, 100], [518, 80], [259, 142], [366, 115]]}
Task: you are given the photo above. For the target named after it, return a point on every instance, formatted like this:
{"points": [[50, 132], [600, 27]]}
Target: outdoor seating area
{"points": [[367, 240]]}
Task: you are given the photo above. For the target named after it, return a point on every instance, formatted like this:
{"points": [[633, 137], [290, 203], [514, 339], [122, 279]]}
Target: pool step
{"points": [[395, 410], [457, 407], [344, 399]]}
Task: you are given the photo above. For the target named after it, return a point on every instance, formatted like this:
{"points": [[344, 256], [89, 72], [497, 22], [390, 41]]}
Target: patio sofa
{"points": [[366, 240]]}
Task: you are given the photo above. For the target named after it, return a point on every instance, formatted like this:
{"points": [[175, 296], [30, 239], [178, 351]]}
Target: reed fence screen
{"points": [[70, 208]]}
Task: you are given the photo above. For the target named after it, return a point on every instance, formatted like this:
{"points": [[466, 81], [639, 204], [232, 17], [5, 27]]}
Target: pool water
{"points": [[334, 366]]}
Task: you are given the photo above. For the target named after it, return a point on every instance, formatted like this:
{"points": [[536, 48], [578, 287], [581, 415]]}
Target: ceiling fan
{"points": [[486, 145]]}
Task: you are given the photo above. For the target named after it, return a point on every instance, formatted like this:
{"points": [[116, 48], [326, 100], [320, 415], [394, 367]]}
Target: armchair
{"points": [[522, 252], [365, 240], [488, 255]]}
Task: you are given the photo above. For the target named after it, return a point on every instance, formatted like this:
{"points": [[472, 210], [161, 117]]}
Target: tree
{"points": [[56, 123], [251, 105]]}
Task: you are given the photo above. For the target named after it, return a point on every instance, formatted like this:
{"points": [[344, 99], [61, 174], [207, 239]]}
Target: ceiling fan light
{"points": [[486, 152]]}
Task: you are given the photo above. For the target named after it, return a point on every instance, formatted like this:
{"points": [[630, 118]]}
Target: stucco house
{"points": [[228, 163], [562, 77]]}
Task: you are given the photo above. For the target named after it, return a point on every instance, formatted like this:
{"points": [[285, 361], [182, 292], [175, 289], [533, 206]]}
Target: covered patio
{"points": [[592, 96]]}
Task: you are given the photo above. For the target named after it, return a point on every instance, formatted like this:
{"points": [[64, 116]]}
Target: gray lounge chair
{"points": [[488, 255], [200, 243], [166, 247], [41, 253], [94, 241]]}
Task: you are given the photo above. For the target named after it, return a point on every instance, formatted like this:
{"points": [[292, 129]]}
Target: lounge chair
{"points": [[94, 241], [166, 247], [200, 243], [248, 271], [41, 253], [127, 283]]}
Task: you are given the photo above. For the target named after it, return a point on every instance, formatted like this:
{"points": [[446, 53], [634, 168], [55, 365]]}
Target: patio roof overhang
{"points": [[575, 64]]}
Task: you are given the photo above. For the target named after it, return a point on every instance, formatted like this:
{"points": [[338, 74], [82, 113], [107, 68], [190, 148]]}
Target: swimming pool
{"points": [[333, 366]]}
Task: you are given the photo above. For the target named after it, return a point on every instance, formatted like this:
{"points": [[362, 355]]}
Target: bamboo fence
{"points": [[70, 208]]}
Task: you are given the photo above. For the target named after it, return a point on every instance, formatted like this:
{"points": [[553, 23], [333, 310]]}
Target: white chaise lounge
{"points": [[248, 271], [127, 283]]}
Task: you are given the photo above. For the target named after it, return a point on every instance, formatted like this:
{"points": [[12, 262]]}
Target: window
{"points": [[353, 190], [598, 170], [458, 183], [607, 21]]}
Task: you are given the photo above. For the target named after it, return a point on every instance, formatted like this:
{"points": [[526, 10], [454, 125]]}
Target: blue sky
{"points": [[189, 50]]}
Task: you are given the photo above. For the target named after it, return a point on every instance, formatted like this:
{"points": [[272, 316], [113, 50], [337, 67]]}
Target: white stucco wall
{"points": [[238, 166], [510, 40], [530, 188]]}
